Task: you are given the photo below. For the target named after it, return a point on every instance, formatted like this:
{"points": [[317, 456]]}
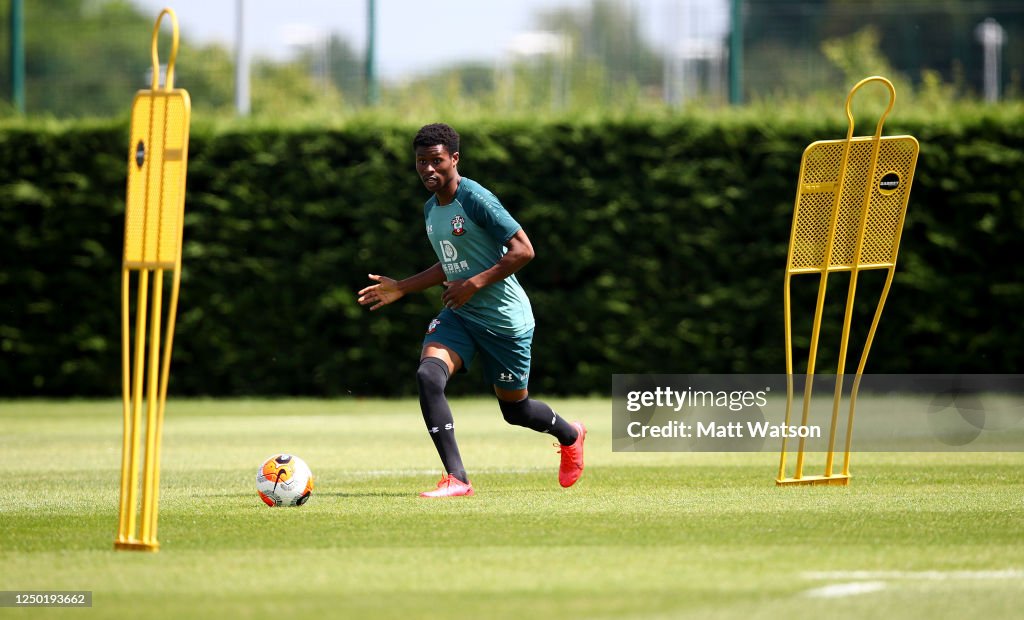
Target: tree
{"points": [[608, 32], [81, 58], [345, 66], [920, 39], [607, 47], [89, 57]]}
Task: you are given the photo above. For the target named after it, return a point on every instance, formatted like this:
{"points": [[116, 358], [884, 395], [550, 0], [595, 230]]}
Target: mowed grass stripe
{"points": [[642, 535]]}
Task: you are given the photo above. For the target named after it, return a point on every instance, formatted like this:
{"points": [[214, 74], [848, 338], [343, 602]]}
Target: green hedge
{"points": [[660, 248]]}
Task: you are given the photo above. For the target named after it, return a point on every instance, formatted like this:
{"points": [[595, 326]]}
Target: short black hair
{"points": [[437, 133]]}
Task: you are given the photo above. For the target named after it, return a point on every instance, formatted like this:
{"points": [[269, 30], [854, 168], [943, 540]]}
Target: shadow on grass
{"points": [[369, 494], [325, 494]]}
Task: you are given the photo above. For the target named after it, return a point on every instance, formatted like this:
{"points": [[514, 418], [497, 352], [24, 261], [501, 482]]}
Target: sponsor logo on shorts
{"points": [[433, 326], [506, 377]]}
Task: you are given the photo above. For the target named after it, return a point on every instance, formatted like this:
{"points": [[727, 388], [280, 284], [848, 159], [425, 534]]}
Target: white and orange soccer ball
{"points": [[284, 480]]}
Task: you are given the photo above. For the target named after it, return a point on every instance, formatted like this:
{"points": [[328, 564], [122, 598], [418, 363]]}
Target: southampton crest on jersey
{"points": [[458, 225]]}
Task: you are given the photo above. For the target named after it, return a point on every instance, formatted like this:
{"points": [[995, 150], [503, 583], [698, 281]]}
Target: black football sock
{"points": [[432, 377], [540, 417]]}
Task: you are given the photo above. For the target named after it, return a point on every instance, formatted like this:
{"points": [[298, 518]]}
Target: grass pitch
{"points": [[660, 535]]}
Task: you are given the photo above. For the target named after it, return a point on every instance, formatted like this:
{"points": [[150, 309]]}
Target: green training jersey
{"points": [[469, 236]]}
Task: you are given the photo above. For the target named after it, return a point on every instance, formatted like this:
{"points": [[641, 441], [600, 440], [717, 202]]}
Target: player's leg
{"points": [[446, 349], [519, 409], [437, 364], [507, 365]]}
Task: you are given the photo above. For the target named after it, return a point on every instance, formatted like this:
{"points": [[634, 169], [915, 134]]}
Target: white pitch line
{"points": [[924, 575], [837, 590]]}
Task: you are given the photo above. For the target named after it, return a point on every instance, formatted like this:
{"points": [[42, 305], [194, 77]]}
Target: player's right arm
{"points": [[388, 289]]}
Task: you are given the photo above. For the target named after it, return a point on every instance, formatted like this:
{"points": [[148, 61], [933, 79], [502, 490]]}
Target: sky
{"points": [[414, 37]]}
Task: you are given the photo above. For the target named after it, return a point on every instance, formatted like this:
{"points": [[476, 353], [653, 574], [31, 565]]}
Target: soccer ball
{"points": [[284, 480]]}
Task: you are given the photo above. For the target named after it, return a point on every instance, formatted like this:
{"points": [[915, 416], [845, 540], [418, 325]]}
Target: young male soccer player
{"points": [[486, 313]]}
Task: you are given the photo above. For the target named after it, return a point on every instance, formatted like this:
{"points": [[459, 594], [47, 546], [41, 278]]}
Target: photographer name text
{"points": [[720, 430]]}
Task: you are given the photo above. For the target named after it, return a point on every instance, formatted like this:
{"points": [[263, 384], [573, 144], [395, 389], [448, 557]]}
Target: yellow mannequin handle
{"points": [[174, 50], [849, 101]]}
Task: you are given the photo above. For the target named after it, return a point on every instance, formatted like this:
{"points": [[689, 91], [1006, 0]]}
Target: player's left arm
{"points": [[520, 251]]}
